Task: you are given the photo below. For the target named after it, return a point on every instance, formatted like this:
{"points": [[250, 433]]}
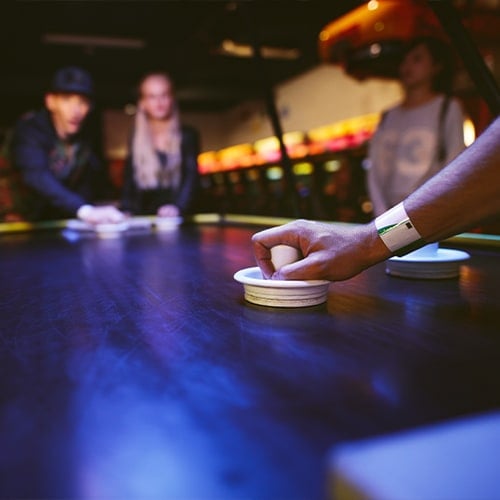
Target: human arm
{"points": [[460, 196], [463, 194], [31, 148]]}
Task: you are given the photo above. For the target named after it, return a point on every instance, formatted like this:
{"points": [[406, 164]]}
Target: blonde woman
{"points": [[161, 171]]}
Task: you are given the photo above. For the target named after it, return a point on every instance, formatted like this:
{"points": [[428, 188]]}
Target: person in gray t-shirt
{"points": [[416, 138]]}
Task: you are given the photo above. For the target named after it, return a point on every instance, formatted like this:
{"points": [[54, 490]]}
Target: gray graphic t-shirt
{"points": [[403, 151]]}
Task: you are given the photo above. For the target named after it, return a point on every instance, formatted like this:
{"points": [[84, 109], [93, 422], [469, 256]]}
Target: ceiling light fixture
{"points": [[93, 41], [231, 48]]}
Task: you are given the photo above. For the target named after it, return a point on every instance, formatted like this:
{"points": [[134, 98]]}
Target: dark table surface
{"points": [[132, 367]]}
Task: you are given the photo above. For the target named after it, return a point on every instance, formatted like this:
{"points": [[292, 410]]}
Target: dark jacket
{"points": [[147, 201], [56, 187]]}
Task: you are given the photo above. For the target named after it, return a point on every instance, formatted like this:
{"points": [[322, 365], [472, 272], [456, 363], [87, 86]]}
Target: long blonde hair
{"points": [[148, 171]]}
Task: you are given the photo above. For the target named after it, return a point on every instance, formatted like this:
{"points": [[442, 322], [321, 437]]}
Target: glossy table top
{"points": [[131, 367]]}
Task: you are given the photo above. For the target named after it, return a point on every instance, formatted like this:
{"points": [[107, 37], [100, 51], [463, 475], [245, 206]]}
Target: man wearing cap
{"points": [[57, 165]]}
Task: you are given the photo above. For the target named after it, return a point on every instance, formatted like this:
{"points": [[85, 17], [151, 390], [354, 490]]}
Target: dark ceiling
{"points": [[178, 36]]}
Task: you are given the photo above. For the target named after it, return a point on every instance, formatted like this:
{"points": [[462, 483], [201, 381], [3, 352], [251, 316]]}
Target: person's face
{"points": [[157, 99], [68, 112], [418, 68]]}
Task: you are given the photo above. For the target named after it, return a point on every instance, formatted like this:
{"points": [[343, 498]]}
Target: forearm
{"points": [[53, 191], [459, 197], [31, 159]]}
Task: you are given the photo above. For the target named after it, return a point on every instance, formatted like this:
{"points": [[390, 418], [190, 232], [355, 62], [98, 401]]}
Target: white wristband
{"points": [[397, 231]]}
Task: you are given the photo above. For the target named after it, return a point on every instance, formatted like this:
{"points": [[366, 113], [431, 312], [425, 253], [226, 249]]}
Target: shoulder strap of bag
{"points": [[441, 151]]}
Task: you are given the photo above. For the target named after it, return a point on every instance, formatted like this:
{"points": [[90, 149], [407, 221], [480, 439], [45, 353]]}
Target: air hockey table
{"points": [[132, 367]]}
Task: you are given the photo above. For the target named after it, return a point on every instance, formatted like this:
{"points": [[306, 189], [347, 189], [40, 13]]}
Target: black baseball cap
{"points": [[72, 80]]}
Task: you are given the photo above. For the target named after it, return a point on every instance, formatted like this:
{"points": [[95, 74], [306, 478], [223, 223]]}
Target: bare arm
{"points": [[462, 195]]}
